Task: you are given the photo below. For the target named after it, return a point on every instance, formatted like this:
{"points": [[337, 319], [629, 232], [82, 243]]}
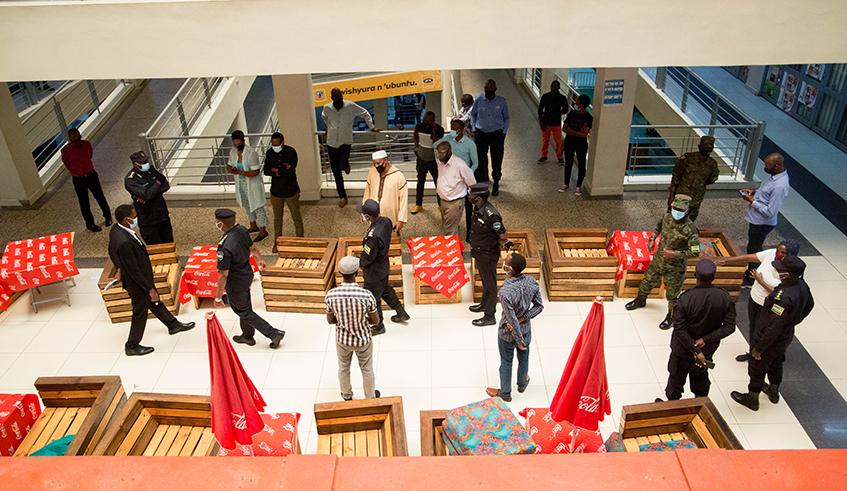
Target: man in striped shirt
{"points": [[353, 310], [520, 299]]}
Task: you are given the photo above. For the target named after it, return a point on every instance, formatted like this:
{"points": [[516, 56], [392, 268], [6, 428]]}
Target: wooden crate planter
{"points": [[425, 294], [526, 246], [370, 427], [696, 419], [301, 276], [728, 276], [80, 406], [352, 246], [166, 275], [160, 425], [576, 265], [432, 439]]}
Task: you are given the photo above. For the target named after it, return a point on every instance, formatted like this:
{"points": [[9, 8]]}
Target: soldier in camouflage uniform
{"points": [[692, 173], [680, 241]]}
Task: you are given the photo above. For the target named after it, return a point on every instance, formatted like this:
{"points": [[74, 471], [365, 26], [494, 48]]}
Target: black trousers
{"points": [[157, 233], [680, 367], [82, 185], [468, 217], [756, 235], [753, 310], [242, 305], [770, 365], [141, 304], [487, 267], [581, 151], [422, 167], [339, 160], [381, 290], [495, 142]]}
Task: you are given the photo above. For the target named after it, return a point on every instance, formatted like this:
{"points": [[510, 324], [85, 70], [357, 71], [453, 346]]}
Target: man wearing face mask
{"points": [[454, 179], [147, 187], [387, 186], [463, 147], [576, 127], [426, 133], [76, 156], [784, 308], [692, 173], [766, 277], [281, 165], [680, 241], [488, 234], [132, 262], [764, 207], [490, 121]]}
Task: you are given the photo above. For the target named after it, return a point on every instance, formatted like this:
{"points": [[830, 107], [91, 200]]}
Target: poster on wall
{"points": [[771, 82], [815, 71], [808, 94], [787, 92]]}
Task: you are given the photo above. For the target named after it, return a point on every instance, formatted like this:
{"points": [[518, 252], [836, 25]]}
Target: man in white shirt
{"points": [[454, 178], [338, 116]]}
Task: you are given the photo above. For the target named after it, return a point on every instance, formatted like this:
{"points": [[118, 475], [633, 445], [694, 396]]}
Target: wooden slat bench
{"points": [[352, 246], [301, 276], [525, 245], [370, 427], [160, 425], [576, 265], [166, 275], [696, 419], [80, 406], [425, 294], [432, 439]]}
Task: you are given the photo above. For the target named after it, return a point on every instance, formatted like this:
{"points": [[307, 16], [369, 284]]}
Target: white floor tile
{"points": [[628, 365], [537, 375], [619, 330], [141, 372], [306, 336], [555, 331], [82, 364], [184, 371], [828, 294], [819, 326], [647, 327], [726, 368], [776, 436], [59, 337], [767, 414], [819, 268], [411, 369], [626, 394], [294, 370], [448, 336], [329, 373], [310, 445], [829, 357], [28, 367], [84, 307], [453, 397], [16, 336], [416, 335], [413, 443], [6, 360]]}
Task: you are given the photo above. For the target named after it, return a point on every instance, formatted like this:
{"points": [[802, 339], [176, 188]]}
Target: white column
{"points": [[21, 184], [297, 122]]}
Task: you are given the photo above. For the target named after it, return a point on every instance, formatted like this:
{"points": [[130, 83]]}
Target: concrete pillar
{"points": [[21, 184], [297, 121], [240, 122], [754, 79], [609, 140], [451, 86], [549, 74], [433, 103]]}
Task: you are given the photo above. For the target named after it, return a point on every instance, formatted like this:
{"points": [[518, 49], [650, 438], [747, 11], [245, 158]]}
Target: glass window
{"points": [[803, 111], [837, 74], [842, 128], [827, 114]]}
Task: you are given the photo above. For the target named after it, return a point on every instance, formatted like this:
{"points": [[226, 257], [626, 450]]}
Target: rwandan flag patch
{"points": [[367, 249], [776, 309], [695, 249]]}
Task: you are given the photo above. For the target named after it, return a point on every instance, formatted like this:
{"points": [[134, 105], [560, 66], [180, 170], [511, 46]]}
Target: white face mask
{"points": [[677, 215], [277, 149], [506, 269], [220, 226], [364, 217], [784, 276]]}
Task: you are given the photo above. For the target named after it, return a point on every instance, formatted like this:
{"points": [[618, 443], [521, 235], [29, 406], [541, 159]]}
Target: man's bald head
{"points": [[774, 164], [444, 151]]}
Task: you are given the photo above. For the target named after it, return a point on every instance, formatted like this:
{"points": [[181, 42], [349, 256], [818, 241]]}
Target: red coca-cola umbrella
{"points": [[582, 397], [235, 401]]}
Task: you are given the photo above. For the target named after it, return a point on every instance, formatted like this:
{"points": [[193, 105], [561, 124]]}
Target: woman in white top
{"points": [[249, 187], [766, 278]]}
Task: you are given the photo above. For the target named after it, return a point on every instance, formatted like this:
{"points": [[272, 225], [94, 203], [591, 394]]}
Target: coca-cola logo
{"points": [[437, 275], [451, 243], [20, 407], [437, 262], [418, 246], [16, 430], [452, 274], [33, 410], [2, 429], [201, 293], [454, 261], [455, 285], [419, 255], [42, 246]]}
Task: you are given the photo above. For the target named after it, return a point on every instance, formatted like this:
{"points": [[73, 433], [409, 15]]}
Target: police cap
{"points": [[139, 157], [222, 213], [790, 264], [369, 207]]}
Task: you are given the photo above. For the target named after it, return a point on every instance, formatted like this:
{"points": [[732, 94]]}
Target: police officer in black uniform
{"points": [[702, 317], [147, 186], [236, 274], [487, 235], [375, 264], [786, 306]]}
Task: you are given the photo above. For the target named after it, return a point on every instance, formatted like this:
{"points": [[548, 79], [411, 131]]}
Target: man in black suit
{"points": [[130, 257]]}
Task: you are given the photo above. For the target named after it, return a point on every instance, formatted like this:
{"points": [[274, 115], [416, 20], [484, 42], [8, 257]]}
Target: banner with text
{"points": [[394, 84]]}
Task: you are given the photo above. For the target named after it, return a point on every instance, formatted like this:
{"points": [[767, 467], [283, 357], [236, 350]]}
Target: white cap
{"points": [[380, 154], [348, 265]]}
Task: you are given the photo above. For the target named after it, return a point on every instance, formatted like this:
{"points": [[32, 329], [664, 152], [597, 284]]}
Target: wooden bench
{"points": [[526, 246], [696, 419], [80, 406], [352, 246], [301, 276], [432, 439], [370, 427], [161, 424], [166, 276], [576, 265]]}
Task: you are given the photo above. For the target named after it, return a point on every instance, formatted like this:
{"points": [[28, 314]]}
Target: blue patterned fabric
{"points": [[487, 427]]}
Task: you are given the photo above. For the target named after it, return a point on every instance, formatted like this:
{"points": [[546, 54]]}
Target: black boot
{"points": [[496, 189], [378, 329], [667, 323], [749, 399], [637, 303], [401, 315], [772, 391]]}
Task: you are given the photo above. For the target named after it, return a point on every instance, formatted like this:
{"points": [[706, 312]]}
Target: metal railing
{"points": [[581, 78], [571, 93], [28, 94], [47, 125], [399, 144]]}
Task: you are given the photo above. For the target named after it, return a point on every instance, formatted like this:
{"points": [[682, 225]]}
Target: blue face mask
{"points": [[145, 167], [277, 149], [677, 215], [134, 223]]}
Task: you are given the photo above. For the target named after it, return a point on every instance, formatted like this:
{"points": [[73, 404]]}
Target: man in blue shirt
{"points": [[764, 207], [490, 121]]}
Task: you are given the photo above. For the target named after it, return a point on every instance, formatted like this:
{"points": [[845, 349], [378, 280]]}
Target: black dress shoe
{"points": [[748, 399], [346, 399], [253, 230], [476, 308], [277, 339], [659, 399], [180, 327], [484, 321], [401, 316], [742, 358], [108, 222], [636, 304], [378, 329], [94, 228], [667, 323], [138, 350], [261, 237], [376, 393], [496, 190], [242, 340]]}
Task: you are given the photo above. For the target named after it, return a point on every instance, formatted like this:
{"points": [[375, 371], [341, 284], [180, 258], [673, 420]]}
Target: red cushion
{"points": [[278, 438], [560, 437]]}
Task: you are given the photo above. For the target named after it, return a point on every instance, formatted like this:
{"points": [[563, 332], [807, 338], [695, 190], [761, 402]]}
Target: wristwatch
{"points": [[219, 299]]}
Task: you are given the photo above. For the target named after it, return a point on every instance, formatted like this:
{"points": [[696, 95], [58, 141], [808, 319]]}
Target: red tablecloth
{"points": [[278, 438], [33, 262], [631, 249], [438, 262], [18, 413], [200, 276]]}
